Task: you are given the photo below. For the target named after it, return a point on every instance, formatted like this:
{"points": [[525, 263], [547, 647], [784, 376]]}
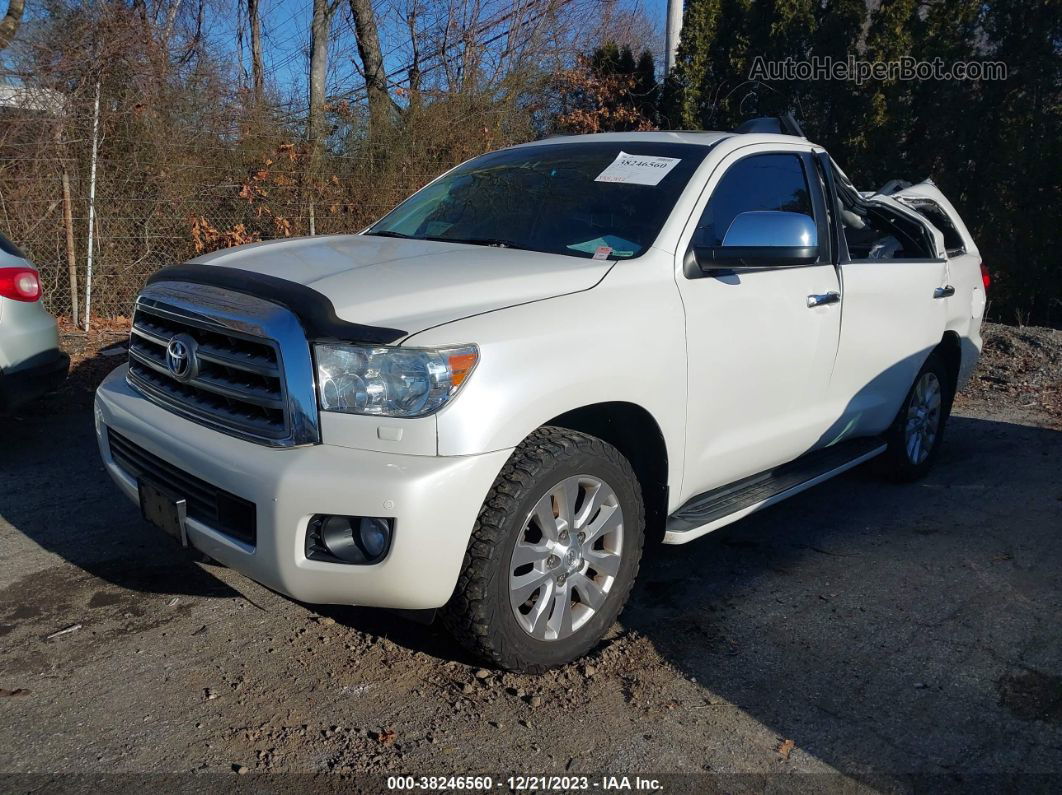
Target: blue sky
{"points": [[286, 25]]}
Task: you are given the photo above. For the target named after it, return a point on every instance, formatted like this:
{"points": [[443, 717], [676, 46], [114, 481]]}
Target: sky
{"points": [[286, 25]]}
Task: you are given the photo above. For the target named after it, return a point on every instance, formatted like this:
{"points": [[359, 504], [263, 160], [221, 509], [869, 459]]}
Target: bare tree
{"points": [[414, 71], [257, 71], [171, 19], [320, 29], [371, 61], [12, 19]]}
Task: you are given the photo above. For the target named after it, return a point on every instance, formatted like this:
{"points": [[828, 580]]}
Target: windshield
{"points": [[603, 200]]}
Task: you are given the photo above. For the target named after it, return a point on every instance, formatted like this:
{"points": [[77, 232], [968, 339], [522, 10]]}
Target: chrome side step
{"points": [[719, 507]]}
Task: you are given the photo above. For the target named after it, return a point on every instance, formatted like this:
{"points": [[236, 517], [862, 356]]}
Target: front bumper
{"points": [[31, 379], [433, 500]]}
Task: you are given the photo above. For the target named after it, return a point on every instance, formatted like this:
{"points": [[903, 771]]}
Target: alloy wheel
{"points": [[566, 558], [923, 418]]}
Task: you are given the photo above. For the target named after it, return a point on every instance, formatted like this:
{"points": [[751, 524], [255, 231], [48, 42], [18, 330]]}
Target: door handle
{"points": [[944, 292], [823, 298]]}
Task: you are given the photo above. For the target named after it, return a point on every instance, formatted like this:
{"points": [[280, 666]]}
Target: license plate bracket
{"points": [[164, 509]]}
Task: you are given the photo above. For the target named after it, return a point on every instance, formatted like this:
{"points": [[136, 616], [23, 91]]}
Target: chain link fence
{"points": [[158, 198]]}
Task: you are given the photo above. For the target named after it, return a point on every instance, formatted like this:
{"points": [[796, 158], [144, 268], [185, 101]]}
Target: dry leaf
{"points": [[785, 748]]}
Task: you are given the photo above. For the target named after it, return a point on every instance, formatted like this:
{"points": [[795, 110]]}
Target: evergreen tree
{"points": [[995, 147], [646, 89]]}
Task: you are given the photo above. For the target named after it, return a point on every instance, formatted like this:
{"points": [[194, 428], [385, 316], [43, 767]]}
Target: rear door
{"points": [[759, 357], [894, 282]]}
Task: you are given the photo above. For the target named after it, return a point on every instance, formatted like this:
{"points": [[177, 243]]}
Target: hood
{"points": [[413, 284]]}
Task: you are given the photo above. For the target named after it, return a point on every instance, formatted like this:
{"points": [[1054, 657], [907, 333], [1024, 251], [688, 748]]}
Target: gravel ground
{"points": [[1020, 372], [870, 632]]}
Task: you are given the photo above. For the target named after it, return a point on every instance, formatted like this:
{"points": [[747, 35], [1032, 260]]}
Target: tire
{"points": [[915, 436], [520, 549]]}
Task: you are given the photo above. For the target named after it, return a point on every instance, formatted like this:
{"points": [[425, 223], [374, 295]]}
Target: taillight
{"points": [[986, 279], [20, 284]]}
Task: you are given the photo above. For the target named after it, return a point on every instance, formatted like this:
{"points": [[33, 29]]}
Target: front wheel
{"points": [[553, 554], [915, 435]]}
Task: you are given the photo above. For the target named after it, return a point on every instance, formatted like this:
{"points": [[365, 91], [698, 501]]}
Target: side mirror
{"points": [[763, 239]]}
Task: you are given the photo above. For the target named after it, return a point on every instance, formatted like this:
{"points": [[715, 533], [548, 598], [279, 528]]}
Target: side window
{"points": [[758, 182], [933, 213], [880, 234]]}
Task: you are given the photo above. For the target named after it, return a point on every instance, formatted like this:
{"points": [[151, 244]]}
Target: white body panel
{"points": [[433, 519], [964, 310], [738, 374], [543, 359], [759, 358], [412, 284], [890, 323], [26, 329], [31, 362]]}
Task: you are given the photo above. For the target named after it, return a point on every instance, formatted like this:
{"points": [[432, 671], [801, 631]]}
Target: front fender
{"points": [[623, 340]]}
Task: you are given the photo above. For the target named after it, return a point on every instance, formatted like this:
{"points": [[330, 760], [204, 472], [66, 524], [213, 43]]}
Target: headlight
{"points": [[391, 382]]}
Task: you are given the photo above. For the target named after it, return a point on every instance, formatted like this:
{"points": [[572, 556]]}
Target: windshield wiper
{"points": [[389, 233], [496, 242]]}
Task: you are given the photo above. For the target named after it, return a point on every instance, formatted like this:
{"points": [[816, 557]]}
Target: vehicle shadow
{"points": [[888, 630], [54, 491]]}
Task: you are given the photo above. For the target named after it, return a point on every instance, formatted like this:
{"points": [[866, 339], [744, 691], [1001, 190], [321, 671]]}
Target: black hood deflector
{"points": [[313, 309]]}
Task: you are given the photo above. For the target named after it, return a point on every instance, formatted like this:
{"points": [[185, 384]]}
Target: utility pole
{"points": [[674, 28]]}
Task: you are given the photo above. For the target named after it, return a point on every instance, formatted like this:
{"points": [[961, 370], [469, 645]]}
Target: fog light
{"points": [[374, 535], [348, 539]]}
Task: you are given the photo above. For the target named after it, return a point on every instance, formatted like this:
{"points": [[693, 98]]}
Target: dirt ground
{"points": [[880, 636]]}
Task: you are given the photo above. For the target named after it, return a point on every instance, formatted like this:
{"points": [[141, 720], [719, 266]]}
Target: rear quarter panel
{"points": [[965, 309], [26, 329]]}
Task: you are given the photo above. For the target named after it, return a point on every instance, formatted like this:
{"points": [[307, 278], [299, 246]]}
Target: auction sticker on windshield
{"points": [[638, 169]]}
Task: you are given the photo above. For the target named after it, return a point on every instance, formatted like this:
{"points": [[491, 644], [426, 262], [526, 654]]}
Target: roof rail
{"points": [[785, 124]]}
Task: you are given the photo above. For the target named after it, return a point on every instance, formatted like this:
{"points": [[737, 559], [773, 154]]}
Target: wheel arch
{"points": [[633, 431], [950, 351]]}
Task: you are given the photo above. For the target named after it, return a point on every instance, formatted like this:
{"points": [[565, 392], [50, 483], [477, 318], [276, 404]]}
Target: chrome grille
{"points": [[236, 381]]}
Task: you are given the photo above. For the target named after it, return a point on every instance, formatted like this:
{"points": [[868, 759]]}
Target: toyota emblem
{"points": [[181, 358]]}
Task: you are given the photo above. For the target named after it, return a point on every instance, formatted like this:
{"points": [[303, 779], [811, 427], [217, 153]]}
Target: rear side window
{"points": [[759, 182], [10, 248], [933, 213]]}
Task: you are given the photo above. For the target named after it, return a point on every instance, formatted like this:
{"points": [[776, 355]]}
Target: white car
{"points": [[487, 400], [31, 363]]}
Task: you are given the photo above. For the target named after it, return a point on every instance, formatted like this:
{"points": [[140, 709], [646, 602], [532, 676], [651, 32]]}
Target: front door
{"points": [[759, 357]]}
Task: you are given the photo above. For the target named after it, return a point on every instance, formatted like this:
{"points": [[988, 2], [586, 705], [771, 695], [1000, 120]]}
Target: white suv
{"points": [[486, 400]]}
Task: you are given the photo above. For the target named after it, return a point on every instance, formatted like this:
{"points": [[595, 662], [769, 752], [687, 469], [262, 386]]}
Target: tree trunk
{"points": [[372, 61], [171, 20], [257, 72], [320, 26], [414, 64], [12, 19]]}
